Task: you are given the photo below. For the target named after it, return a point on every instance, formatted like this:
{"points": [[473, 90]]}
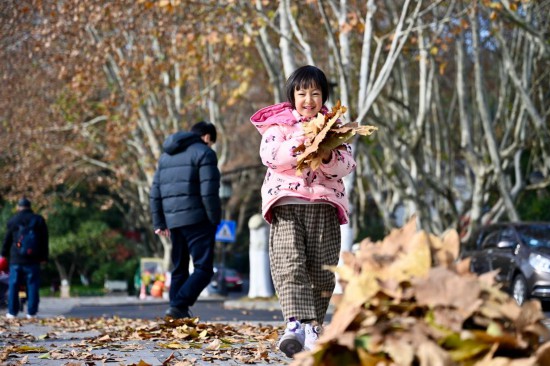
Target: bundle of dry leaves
{"points": [[408, 301], [325, 133]]}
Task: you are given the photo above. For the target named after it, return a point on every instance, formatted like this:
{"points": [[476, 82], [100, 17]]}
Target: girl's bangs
{"points": [[306, 84]]}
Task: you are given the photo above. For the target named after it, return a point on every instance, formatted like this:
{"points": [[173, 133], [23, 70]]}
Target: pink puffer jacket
{"points": [[281, 132]]}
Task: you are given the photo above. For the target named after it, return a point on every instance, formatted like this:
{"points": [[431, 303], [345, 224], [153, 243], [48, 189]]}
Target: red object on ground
{"points": [[3, 264]]}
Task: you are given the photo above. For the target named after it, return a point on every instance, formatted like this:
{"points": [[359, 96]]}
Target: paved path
{"points": [[53, 339], [50, 346], [51, 306]]}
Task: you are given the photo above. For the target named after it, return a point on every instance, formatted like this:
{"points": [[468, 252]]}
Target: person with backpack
{"points": [[26, 247]]}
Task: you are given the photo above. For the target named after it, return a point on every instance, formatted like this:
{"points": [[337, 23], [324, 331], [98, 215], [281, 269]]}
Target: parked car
{"points": [[233, 280], [520, 251]]}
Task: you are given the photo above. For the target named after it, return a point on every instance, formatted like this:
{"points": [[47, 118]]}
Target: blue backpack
{"points": [[27, 240]]}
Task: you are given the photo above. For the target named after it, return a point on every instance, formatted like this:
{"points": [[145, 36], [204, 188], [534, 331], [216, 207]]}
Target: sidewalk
{"points": [[54, 340], [55, 306]]}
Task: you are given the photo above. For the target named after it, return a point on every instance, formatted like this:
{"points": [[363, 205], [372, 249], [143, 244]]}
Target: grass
{"points": [[76, 291]]}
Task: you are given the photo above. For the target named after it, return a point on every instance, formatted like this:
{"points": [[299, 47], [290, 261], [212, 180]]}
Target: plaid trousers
{"points": [[303, 238]]}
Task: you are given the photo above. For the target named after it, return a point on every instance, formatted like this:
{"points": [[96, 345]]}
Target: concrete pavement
{"points": [[55, 306], [54, 340]]}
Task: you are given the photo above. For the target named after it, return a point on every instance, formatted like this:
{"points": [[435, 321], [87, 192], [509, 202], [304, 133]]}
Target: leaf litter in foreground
{"points": [[408, 301], [246, 343]]}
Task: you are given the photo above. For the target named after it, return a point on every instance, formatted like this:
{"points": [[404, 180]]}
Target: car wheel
{"points": [[519, 289]]}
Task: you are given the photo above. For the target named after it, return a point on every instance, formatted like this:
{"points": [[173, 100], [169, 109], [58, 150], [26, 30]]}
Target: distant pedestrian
{"points": [[305, 211], [26, 247], [185, 206]]}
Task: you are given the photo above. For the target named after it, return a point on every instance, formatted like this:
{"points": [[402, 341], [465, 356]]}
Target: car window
{"points": [[535, 235], [508, 234], [491, 240], [231, 272], [476, 239]]}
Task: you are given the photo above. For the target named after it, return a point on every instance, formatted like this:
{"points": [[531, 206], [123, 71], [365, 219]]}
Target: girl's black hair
{"points": [[306, 77]]}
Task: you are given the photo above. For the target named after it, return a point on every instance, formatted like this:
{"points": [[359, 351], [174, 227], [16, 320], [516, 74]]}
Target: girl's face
{"points": [[308, 101]]}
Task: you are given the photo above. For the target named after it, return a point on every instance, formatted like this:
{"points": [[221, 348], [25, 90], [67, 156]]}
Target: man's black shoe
{"points": [[177, 313]]}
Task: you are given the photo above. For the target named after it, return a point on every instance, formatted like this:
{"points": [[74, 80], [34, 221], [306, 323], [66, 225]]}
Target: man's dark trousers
{"points": [[28, 275], [198, 241]]}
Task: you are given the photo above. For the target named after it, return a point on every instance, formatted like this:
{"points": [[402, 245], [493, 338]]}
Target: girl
{"points": [[304, 211]]}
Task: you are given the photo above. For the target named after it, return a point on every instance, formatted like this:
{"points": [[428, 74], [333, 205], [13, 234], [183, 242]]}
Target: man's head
{"points": [[23, 204], [207, 131]]}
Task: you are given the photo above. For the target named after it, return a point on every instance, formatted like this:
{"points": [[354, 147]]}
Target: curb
{"points": [[261, 305], [251, 305], [114, 300], [61, 305], [55, 306]]}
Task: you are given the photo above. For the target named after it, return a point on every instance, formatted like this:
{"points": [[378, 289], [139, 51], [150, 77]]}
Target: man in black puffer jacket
{"points": [[24, 269], [185, 206]]}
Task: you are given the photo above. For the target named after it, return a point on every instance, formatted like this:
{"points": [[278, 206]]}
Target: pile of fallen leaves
{"points": [[325, 133], [409, 301]]}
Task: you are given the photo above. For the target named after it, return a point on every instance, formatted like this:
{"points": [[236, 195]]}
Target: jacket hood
{"points": [[180, 141], [274, 114], [277, 114]]}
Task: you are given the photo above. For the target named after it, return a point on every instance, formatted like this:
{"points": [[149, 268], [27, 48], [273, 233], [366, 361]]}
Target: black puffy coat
{"points": [[23, 217], [186, 185]]}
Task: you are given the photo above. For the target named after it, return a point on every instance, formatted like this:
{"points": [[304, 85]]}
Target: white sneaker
{"points": [[292, 340], [312, 333], [10, 316], [29, 316]]}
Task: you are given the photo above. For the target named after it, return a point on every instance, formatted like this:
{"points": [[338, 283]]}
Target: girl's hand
{"points": [[326, 155]]}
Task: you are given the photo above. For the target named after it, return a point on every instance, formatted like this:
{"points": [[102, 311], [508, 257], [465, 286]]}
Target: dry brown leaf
{"points": [[451, 242], [400, 351], [531, 312], [462, 267], [185, 363], [368, 359], [543, 354], [141, 363], [430, 354], [445, 288], [214, 345], [340, 322], [324, 133]]}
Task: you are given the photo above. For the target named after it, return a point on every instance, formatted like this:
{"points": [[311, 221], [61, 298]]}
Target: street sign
{"points": [[226, 231]]}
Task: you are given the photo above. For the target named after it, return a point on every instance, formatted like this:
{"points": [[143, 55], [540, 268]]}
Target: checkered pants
{"points": [[304, 238]]}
